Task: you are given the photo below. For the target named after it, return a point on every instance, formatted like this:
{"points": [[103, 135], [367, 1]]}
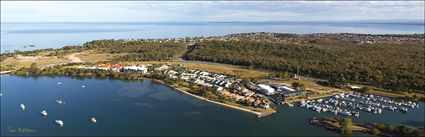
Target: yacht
{"points": [[22, 106], [44, 113], [59, 122], [93, 120], [59, 101]]}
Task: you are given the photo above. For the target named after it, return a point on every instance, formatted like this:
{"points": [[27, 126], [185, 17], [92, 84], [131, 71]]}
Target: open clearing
{"points": [[225, 69]]}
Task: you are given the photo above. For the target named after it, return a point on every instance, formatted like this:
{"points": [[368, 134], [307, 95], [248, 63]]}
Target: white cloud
{"points": [[98, 11]]}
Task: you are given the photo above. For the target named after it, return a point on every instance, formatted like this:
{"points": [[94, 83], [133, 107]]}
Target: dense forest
{"points": [[393, 62], [390, 66]]}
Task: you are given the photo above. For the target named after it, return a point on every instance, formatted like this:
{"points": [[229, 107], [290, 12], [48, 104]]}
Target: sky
{"points": [[176, 11]]}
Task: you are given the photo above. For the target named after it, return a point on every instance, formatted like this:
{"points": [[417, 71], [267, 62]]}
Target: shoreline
{"points": [[258, 114]]}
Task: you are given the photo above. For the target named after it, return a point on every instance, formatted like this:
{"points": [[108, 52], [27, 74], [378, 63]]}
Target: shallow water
{"points": [[146, 108]]}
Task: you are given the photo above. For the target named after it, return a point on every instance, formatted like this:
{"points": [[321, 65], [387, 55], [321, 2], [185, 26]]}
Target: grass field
{"points": [[97, 57], [230, 70], [20, 62]]}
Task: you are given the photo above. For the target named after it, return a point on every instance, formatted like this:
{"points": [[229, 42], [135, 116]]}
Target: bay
{"points": [[147, 108]]}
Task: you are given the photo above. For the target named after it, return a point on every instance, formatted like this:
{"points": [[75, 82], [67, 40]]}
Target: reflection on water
{"points": [[192, 113], [134, 91], [416, 124], [143, 104]]}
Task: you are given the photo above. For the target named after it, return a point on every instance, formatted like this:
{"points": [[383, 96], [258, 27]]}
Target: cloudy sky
{"points": [[132, 11]]}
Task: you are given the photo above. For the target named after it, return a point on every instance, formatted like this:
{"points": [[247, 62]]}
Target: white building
{"points": [[163, 67], [143, 69], [266, 89], [285, 88]]}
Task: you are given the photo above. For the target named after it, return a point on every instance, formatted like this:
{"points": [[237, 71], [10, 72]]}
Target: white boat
{"points": [[60, 101], [59, 83], [83, 86], [290, 105], [357, 114], [93, 120], [345, 113], [59, 122], [44, 113], [22, 106], [1, 94]]}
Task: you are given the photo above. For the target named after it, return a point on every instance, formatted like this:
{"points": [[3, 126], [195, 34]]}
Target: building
{"points": [[161, 68], [117, 67], [285, 89], [104, 66], [266, 89], [141, 69]]}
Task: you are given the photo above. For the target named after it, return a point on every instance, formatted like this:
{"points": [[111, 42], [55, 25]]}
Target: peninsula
{"points": [[251, 72]]}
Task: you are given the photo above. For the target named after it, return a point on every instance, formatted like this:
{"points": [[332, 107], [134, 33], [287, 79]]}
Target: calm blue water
{"points": [[54, 35], [147, 108]]}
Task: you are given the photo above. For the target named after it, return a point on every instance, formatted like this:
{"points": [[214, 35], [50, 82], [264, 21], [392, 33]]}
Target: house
{"points": [[117, 67], [104, 66], [265, 104], [161, 68]]}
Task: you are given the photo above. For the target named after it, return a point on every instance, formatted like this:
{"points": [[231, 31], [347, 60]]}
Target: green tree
{"points": [[346, 124], [298, 86], [366, 90], [375, 132]]}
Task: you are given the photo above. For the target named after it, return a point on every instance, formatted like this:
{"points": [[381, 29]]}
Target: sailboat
{"points": [[59, 122], [93, 120]]}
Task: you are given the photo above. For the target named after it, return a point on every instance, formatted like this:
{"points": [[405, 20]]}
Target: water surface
{"points": [[148, 108], [14, 36]]}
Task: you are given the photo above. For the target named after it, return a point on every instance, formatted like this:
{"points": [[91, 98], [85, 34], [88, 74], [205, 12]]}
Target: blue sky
{"points": [[133, 11]]}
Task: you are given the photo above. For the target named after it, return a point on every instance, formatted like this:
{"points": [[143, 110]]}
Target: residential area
{"points": [[259, 94]]}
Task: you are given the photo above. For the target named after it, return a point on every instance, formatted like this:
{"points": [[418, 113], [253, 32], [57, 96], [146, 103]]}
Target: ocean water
{"points": [[146, 108], [14, 36]]}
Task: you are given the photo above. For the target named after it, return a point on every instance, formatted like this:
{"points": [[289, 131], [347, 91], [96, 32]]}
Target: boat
{"points": [[60, 101], [44, 113], [1, 94], [22, 106], [83, 86], [345, 113], [59, 122], [93, 120], [59, 83], [357, 114], [290, 105], [404, 109]]}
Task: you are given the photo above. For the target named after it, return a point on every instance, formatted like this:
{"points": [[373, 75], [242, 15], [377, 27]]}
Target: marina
{"points": [[352, 103], [150, 108]]}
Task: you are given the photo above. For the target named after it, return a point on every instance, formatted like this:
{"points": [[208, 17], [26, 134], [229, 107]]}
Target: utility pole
{"points": [[297, 74]]}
